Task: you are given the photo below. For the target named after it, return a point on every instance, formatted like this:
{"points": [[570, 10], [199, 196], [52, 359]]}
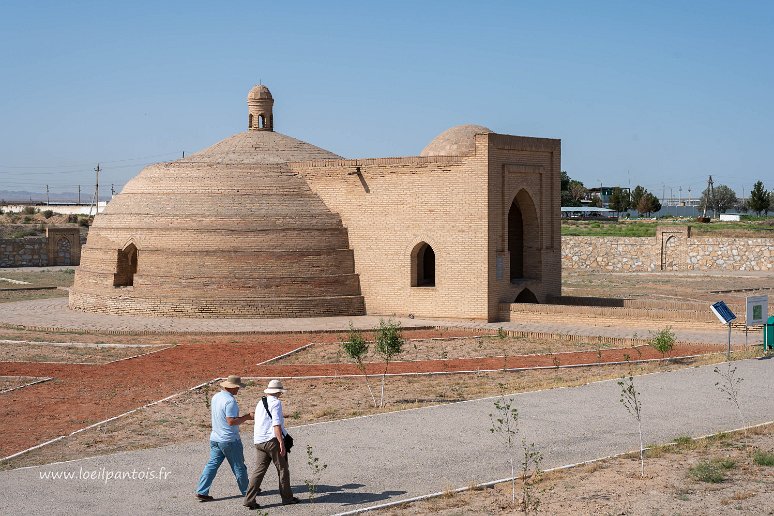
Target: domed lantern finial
{"points": [[259, 108]]}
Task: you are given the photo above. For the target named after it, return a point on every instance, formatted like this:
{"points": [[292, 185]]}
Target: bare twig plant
{"points": [[530, 475], [505, 425], [630, 399], [316, 469], [356, 348], [389, 343], [729, 387]]}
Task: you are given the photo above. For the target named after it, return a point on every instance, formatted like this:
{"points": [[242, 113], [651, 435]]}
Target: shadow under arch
{"points": [[524, 238], [526, 296]]}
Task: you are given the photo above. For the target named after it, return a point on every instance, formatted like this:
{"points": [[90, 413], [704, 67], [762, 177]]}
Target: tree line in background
{"points": [[720, 199]]}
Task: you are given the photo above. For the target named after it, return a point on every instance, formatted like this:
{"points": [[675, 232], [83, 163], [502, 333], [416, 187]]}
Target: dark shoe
{"points": [[204, 498], [291, 501], [253, 506]]}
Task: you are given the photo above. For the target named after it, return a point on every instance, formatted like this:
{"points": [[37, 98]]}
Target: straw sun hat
{"points": [[274, 387], [232, 382]]}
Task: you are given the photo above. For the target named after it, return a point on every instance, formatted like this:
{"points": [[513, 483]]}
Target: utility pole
{"points": [[112, 190], [79, 195], [48, 197], [96, 190]]}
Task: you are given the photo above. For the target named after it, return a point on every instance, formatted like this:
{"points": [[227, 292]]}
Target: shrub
{"points": [[712, 471], [30, 210], [48, 214], [27, 219], [72, 219], [763, 458], [663, 341], [84, 222]]}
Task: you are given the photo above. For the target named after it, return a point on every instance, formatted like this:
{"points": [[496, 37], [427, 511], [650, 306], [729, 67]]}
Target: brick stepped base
{"points": [[218, 307]]}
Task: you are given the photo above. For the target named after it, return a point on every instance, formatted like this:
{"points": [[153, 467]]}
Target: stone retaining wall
{"points": [[60, 246], [24, 252], [671, 249]]}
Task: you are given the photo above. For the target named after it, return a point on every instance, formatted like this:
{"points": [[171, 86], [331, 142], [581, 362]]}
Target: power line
{"points": [[89, 164]]}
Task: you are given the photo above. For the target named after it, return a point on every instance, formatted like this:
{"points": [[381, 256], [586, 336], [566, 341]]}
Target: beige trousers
{"points": [[267, 452]]}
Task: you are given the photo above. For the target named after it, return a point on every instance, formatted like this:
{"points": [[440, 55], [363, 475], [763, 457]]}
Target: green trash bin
{"points": [[768, 334]]}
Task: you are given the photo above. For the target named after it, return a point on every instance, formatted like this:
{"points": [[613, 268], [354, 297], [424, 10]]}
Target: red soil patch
{"points": [[81, 395]]}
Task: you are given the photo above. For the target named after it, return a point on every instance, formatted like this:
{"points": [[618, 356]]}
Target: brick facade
{"points": [[263, 225]]}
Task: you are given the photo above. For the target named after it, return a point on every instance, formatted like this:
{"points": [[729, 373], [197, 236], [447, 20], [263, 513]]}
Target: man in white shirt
{"points": [[225, 442], [270, 446]]}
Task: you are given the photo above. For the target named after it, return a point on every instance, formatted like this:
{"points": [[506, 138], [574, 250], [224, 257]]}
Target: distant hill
{"points": [[23, 196]]}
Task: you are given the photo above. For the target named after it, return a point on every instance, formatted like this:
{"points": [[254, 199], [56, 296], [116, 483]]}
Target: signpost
{"points": [[726, 316]]}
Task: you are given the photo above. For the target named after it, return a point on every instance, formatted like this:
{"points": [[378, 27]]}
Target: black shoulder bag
{"points": [[286, 437]]}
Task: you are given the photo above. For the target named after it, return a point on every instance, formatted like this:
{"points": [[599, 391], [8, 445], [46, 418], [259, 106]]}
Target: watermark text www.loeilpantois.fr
{"points": [[107, 475]]}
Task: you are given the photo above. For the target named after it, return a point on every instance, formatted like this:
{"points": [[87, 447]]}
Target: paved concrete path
{"points": [[53, 314], [389, 457]]}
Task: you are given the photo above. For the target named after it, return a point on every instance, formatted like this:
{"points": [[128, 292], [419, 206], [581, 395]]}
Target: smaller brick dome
{"points": [[259, 92], [457, 141]]}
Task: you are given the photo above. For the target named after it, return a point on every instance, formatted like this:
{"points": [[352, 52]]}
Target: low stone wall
{"points": [[24, 252], [60, 246], [672, 249]]}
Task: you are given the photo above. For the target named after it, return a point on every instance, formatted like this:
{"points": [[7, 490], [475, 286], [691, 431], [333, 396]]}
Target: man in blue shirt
{"points": [[225, 442]]}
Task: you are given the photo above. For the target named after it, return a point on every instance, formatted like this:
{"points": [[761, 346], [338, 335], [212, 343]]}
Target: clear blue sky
{"points": [[658, 93]]}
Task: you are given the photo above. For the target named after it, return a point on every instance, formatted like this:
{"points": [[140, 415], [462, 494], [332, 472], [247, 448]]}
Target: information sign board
{"points": [[722, 312], [757, 310]]}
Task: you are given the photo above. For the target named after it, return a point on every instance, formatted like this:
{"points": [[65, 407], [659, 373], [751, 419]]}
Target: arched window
{"points": [[261, 121], [250, 121], [423, 266], [126, 267]]}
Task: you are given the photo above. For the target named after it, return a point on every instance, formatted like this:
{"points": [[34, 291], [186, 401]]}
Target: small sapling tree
{"points": [[663, 341], [356, 348], [505, 425], [728, 384], [316, 469], [630, 399], [389, 344], [530, 475]]}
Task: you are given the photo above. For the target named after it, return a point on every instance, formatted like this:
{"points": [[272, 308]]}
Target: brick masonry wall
{"points": [[24, 252], [458, 205], [619, 254]]}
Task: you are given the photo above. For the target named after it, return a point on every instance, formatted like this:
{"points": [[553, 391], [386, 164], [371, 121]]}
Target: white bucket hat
{"points": [[274, 387], [232, 382]]}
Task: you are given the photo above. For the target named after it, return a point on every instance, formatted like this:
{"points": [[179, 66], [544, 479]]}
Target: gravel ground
{"points": [[395, 456]]}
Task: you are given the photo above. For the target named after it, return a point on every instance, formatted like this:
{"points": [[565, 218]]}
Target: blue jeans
{"points": [[233, 452]]}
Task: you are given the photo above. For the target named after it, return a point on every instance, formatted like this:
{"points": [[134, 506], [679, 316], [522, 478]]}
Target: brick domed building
{"points": [[264, 225]]}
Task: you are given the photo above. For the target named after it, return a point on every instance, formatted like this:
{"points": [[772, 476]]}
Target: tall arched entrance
{"points": [[524, 239], [126, 267]]}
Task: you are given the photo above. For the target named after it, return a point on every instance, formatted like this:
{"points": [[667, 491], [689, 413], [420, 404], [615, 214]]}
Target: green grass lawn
{"points": [[759, 228]]}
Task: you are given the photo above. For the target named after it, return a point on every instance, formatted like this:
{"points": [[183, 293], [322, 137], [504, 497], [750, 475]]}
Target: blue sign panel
{"points": [[722, 312]]}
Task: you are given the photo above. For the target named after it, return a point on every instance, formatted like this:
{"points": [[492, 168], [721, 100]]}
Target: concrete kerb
{"points": [[491, 483], [37, 381], [101, 363], [499, 369]]}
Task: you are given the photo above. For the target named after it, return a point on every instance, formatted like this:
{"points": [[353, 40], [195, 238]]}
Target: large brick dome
{"points": [[227, 232]]}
